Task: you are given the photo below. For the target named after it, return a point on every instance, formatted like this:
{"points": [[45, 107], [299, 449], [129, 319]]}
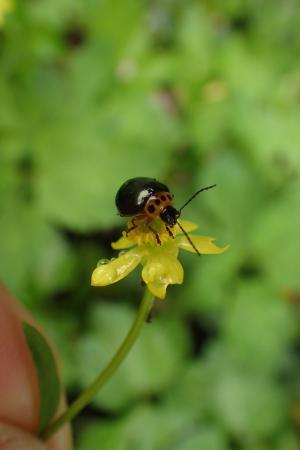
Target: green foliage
{"points": [[35, 259], [264, 312], [151, 365], [192, 93], [49, 385], [131, 432]]}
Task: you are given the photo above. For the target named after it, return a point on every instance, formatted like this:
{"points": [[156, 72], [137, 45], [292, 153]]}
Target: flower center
{"points": [[146, 234]]}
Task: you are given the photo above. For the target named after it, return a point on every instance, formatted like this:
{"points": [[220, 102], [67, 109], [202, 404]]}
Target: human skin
{"points": [[19, 395]]}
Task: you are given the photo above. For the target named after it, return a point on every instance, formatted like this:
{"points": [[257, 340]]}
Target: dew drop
{"points": [[122, 252], [102, 262]]}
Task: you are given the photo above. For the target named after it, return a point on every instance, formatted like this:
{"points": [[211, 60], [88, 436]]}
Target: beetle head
{"points": [[169, 215]]}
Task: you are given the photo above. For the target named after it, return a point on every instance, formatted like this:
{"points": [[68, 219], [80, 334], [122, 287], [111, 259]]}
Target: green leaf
{"points": [[49, 385], [249, 403], [208, 438], [153, 428], [259, 327], [61, 328], [238, 197], [195, 44], [276, 241], [210, 278], [35, 259], [191, 391]]}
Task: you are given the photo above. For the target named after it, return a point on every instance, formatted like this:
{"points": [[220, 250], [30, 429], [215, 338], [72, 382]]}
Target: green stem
{"points": [[85, 398]]}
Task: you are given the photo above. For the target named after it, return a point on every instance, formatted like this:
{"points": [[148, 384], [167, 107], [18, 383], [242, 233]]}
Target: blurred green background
{"points": [[193, 93]]}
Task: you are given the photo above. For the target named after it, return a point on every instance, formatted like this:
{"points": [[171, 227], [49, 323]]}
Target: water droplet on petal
{"points": [[122, 252], [102, 262], [112, 259]]}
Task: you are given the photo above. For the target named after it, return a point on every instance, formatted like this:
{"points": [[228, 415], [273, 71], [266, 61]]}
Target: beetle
{"points": [[145, 199]]}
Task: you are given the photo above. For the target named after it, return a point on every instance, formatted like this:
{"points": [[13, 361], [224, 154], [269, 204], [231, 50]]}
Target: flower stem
{"points": [[87, 395]]}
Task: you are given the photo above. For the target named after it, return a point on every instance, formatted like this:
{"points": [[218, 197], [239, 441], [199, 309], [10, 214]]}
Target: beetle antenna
{"points": [[195, 195], [189, 239]]}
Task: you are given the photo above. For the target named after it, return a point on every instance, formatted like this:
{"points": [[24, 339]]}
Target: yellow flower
{"points": [[5, 6], [160, 264]]}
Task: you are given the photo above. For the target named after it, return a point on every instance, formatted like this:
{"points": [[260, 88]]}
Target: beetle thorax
{"points": [[156, 204]]}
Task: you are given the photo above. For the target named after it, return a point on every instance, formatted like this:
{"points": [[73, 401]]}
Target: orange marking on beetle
{"points": [[156, 204]]}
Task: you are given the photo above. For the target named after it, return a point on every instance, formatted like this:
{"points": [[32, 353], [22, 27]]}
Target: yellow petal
{"points": [[122, 243], [204, 244], [162, 269], [186, 225], [158, 290], [117, 269]]}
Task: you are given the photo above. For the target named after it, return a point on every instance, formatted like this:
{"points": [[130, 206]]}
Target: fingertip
{"points": [[18, 383], [19, 390], [62, 440], [12, 438]]}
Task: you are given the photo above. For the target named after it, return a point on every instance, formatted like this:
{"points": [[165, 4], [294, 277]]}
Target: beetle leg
{"points": [[133, 227], [170, 233], [155, 234]]}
